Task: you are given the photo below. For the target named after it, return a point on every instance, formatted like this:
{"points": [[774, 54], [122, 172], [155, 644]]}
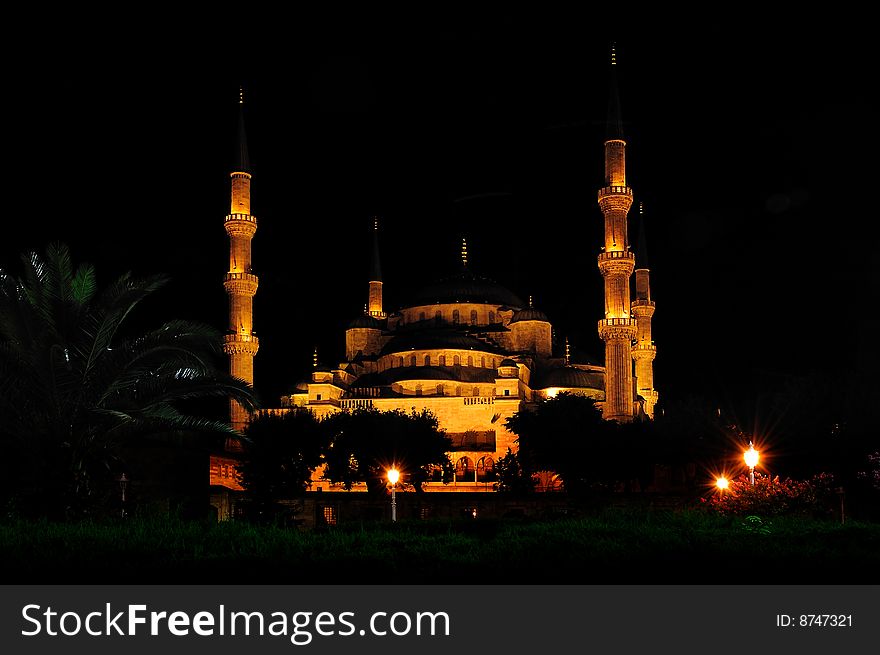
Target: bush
{"points": [[775, 497]]}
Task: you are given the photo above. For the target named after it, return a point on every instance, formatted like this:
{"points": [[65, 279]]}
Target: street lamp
{"points": [[722, 483], [393, 477], [123, 486], [751, 456]]}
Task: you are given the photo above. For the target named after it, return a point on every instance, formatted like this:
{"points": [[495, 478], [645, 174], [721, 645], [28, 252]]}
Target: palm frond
{"points": [[84, 284]]}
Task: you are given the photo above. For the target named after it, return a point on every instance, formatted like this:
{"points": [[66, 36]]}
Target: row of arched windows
{"points": [[484, 471], [441, 390], [456, 317], [457, 360], [465, 471]]}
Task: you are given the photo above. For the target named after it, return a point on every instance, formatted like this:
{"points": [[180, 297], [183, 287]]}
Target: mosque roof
{"points": [[569, 377], [365, 321], [440, 373], [529, 314], [436, 338]]}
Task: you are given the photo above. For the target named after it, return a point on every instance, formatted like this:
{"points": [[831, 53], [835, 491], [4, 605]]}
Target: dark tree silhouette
{"points": [[365, 443], [281, 453], [73, 389]]}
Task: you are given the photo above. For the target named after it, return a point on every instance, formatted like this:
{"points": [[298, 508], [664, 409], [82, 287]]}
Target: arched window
{"points": [[455, 316], [465, 470], [439, 389], [470, 361], [476, 391], [427, 360], [456, 360], [482, 362], [442, 360], [491, 318], [458, 391], [418, 390], [400, 362], [412, 360], [473, 317], [485, 469], [421, 316], [438, 316]]}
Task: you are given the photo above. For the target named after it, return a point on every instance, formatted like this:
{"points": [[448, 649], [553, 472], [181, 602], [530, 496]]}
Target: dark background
{"points": [[752, 148]]}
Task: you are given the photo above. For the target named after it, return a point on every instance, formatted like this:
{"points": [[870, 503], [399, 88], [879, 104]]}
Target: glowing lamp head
{"points": [[751, 456], [393, 476], [722, 483]]}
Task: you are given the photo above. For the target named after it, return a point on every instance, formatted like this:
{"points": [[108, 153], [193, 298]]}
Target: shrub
{"points": [[772, 496]]}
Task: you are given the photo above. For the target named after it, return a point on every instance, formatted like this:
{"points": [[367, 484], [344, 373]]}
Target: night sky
{"points": [[751, 151]]}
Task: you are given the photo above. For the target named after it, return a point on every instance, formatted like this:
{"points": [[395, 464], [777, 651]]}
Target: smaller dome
{"points": [[364, 321], [506, 362], [568, 377], [529, 314]]}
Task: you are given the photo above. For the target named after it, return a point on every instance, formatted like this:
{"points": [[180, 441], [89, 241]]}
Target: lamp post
{"points": [[751, 456], [393, 477], [123, 485]]}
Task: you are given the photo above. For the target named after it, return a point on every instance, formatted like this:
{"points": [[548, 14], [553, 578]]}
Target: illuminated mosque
{"points": [[469, 350]]}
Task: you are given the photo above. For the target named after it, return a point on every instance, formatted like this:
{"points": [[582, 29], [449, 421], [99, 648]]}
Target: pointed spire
{"points": [[464, 257], [531, 303], [614, 129], [375, 263], [242, 160], [315, 358], [642, 243], [567, 353]]}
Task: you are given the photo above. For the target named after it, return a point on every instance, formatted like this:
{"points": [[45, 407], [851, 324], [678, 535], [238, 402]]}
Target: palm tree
{"points": [[72, 389]]}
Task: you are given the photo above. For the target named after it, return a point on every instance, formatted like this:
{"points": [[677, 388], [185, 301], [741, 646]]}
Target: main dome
{"points": [[466, 288]]}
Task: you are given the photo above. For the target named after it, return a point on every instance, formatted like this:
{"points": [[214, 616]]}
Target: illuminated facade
{"points": [[466, 348]]}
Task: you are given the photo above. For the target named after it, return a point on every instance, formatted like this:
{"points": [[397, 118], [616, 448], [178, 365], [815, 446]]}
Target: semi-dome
{"points": [[436, 339], [506, 362], [568, 377], [466, 288], [529, 314]]}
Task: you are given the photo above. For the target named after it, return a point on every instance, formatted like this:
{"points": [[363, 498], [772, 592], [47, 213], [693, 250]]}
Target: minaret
{"points": [[616, 264], [240, 343], [644, 351], [374, 306]]}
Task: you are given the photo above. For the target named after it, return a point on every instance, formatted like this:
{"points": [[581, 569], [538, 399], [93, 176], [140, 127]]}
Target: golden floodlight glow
{"points": [[722, 483], [552, 392], [393, 476], [751, 456]]}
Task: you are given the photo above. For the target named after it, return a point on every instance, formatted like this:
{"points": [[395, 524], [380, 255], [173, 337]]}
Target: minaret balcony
{"points": [[615, 191], [642, 308], [615, 198], [646, 347], [240, 225], [241, 284], [616, 262], [617, 328], [240, 344]]}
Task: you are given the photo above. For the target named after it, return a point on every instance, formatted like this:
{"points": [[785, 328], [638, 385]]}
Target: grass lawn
{"points": [[612, 548]]}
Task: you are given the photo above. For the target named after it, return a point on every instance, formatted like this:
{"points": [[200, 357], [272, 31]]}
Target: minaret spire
{"points": [[567, 353], [464, 253], [616, 263], [240, 343], [242, 160], [644, 351], [614, 129], [375, 293]]}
